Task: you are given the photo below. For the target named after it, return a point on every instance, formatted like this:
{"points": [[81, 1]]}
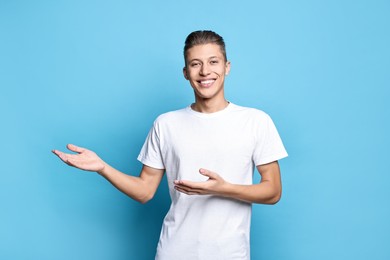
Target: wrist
{"points": [[104, 170], [227, 189]]}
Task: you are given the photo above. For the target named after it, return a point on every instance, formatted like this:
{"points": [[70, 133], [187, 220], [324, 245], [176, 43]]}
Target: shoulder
{"points": [[170, 116], [250, 112]]}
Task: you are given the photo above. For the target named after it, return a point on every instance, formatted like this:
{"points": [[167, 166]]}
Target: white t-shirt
{"points": [[230, 142]]}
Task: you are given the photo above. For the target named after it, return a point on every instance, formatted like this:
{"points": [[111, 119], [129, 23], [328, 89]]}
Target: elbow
{"points": [[276, 195], [275, 198], [145, 198]]}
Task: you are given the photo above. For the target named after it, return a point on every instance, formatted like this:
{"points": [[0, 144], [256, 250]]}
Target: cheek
{"points": [[194, 75], [220, 71]]}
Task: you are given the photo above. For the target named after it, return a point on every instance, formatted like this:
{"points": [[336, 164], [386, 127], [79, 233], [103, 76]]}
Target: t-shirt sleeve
{"points": [[269, 146], [150, 153]]}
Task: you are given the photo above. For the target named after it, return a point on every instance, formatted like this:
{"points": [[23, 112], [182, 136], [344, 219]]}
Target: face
{"points": [[206, 69]]}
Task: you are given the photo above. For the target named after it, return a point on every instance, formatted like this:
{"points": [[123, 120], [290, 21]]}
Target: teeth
{"points": [[205, 82]]}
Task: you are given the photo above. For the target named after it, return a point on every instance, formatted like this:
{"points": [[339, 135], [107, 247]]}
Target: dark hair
{"points": [[204, 37]]}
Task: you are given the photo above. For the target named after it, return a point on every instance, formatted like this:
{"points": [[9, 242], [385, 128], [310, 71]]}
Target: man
{"points": [[208, 151]]}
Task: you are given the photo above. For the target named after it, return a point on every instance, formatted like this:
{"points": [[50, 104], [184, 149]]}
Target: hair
{"points": [[204, 37]]}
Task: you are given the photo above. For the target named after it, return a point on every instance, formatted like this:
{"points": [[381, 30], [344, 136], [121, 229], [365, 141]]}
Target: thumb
{"points": [[75, 148], [208, 173]]}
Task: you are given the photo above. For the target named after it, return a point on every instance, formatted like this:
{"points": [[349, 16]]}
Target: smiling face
{"points": [[206, 69]]}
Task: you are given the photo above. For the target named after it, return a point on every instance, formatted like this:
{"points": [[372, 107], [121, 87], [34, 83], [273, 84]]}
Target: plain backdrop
{"points": [[97, 73]]}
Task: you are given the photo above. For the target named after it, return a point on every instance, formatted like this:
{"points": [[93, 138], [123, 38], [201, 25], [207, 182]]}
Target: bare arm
{"points": [[140, 188], [268, 191]]}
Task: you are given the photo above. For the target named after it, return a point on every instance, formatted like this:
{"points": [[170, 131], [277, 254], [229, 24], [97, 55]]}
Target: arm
{"points": [[141, 188], [268, 191]]}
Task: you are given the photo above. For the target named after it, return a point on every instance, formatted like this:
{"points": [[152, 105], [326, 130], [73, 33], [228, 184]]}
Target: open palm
{"points": [[83, 158]]}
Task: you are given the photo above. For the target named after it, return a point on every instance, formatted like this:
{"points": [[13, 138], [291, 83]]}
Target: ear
{"points": [[227, 68], [185, 73]]}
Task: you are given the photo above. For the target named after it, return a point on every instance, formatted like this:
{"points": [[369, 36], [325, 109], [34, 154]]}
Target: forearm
{"points": [[262, 193], [134, 187], [140, 188], [268, 191]]}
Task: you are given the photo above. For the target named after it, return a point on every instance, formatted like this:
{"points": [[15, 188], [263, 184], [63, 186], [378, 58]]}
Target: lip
{"points": [[206, 82]]}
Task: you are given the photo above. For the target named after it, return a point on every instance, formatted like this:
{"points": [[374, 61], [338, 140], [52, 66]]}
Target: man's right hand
{"points": [[83, 159]]}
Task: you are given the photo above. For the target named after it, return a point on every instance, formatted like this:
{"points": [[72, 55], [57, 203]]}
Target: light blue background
{"points": [[97, 73]]}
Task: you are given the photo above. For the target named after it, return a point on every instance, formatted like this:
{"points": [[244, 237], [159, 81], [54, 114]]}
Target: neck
{"points": [[209, 106]]}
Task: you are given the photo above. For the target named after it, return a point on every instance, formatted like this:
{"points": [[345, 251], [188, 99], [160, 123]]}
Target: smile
{"points": [[206, 83]]}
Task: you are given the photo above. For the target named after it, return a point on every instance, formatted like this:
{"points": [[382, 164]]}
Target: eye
{"points": [[195, 64], [214, 61]]}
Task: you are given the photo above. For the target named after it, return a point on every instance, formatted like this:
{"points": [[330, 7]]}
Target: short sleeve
{"points": [[150, 153], [269, 146]]}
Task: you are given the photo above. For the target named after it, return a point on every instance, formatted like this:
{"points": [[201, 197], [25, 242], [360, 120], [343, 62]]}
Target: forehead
{"points": [[204, 51]]}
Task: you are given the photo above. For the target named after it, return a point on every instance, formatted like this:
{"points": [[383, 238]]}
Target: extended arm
{"points": [[268, 191], [140, 188]]}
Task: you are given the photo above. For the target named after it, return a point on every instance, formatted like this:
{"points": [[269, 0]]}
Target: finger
{"points": [[197, 190], [65, 157], [189, 184], [75, 148], [61, 155], [188, 191], [73, 163], [56, 152]]}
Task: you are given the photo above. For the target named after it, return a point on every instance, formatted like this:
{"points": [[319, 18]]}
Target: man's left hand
{"points": [[214, 185]]}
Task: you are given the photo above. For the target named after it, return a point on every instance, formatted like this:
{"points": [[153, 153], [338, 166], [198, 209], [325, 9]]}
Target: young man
{"points": [[209, 151]]}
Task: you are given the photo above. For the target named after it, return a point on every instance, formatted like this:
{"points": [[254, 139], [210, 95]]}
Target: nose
{"points": [[204, 70]]}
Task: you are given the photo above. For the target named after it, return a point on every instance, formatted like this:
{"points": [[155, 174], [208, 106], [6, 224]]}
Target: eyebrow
{"points": [[212, 57]]}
